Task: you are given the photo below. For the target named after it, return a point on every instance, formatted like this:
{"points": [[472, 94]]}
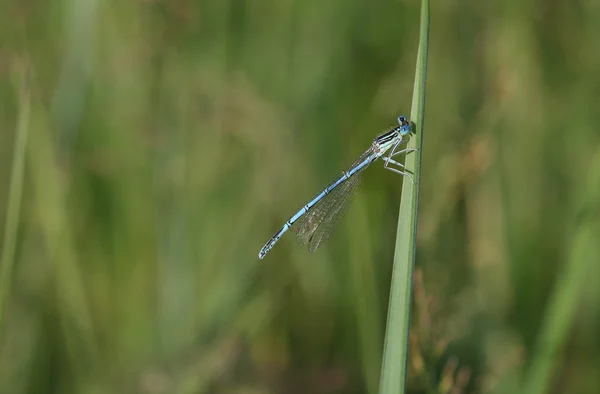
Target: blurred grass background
{"points": [[164, 142]]}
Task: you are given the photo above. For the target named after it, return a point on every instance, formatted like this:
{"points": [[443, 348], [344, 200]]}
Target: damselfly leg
{"points": [[388, 160]]}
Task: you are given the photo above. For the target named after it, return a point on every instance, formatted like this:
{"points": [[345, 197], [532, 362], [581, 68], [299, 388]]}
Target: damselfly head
{"points": [[405, 127]]}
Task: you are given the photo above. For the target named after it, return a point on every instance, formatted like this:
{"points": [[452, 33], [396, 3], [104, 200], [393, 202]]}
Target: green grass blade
{"points": [[395, 356], [14, 195]]}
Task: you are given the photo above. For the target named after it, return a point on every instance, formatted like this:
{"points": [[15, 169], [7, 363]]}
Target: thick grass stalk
{"points": [[395, 356]]}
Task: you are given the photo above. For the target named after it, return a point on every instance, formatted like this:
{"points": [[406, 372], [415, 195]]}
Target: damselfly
{"points": [[319, 215]]}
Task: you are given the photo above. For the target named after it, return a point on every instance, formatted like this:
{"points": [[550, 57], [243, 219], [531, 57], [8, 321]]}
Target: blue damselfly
{"points": [[316, 219]]}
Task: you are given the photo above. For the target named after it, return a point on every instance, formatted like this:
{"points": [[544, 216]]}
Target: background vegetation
{"points": [[162, 143]]}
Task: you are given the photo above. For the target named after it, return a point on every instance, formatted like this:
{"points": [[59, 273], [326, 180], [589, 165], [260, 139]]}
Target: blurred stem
{"points": [[14, 194], [396, 347], [584, 255], [51, 210]]}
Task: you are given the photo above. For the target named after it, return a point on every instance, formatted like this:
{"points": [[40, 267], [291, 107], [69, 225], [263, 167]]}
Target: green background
{"points": [[168, 140]]}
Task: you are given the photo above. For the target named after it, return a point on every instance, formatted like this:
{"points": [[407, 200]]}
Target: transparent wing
{"points": [[318, 223], [335, 213]]}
